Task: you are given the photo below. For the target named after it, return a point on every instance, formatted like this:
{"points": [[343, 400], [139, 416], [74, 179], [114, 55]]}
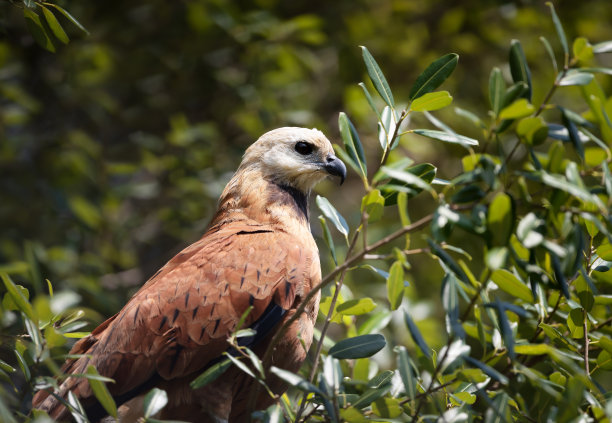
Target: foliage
{"points": [[519, 236]]}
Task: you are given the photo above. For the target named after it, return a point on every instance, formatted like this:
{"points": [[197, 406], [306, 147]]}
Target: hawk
{"points": [[257, 251]]}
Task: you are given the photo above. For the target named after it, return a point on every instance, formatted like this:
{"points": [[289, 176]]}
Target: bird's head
{"points": [[296, 157]]}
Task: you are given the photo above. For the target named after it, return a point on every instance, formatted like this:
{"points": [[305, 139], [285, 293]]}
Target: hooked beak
{"points": [[334, 166]]}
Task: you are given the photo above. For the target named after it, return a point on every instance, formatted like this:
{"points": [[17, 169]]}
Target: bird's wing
{"points": [[178, 322]]}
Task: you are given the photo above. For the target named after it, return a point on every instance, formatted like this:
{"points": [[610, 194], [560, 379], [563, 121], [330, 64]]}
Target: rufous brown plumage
{"points": [[257, 251]]}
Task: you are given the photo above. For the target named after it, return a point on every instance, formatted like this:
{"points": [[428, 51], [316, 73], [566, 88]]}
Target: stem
{"points": [[390, 145], [430, 388], [586, 341]]}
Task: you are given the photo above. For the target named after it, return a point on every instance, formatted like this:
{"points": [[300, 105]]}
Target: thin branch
{"points": [[586, 341]]}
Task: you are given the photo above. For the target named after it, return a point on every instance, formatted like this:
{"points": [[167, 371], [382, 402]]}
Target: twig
{"points": [[586, 341]]}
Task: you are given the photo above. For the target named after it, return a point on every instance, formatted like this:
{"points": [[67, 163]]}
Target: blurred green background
{"points": [[114, 149]]}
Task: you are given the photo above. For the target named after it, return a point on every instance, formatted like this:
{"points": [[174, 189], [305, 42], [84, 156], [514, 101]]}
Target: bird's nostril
{"points": [[330, 159]]}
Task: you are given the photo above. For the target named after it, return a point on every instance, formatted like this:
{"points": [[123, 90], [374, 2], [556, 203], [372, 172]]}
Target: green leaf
{"points": [[329, 240], [405, 369], [55, 26], [532, 349], [512, 285], [295, 380], [376, 322], [370, 396], [448, 261], [583, 51], [18, 296], [533, 130], [497, 88], [332, 215], [559, 182], [369, 99], [496, 257], [395, 285], [416, 335], [407, 177], [550, 52], [575, 321], [378, 78], [381, 379], [575, 77], [101, 392], [211, 374], [573, 133], [373, 203], [38, 30], [465, 397], [558, 28], [491, 372], [154, 402], [68, 16], [352, 144], [500, 219], [604, 250], [434, 75], [388, 408], [238, 363], [445, 136], [604, 47], [519, 68], [520, 108], [431, 101], [356, 307], [358, 347]]}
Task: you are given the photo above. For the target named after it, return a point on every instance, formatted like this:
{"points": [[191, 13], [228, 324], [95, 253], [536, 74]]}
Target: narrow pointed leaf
{"points": [[328, 239], [295, 380], [558, 28], [332, 215], [55, 26], [358, 347], [68, 16], [520, 108], [377, 77], [605, 47], [369, 99], [490, 371], [431, 101], [211, 374], [416, 335], [352, 144], [550, 52], [519, 68], [434, 75], [395, 285], [356, 307], [497, 88], [37, 30], [18, 298], [446, 137], [575, 78], [512, 285], [154, 402], [101, 392], [406, 372]]}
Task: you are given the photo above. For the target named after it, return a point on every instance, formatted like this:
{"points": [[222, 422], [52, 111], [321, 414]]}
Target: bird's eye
{"points": [[303, 148]]}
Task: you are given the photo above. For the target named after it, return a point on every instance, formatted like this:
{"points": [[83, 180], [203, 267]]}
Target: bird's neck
{"points": [[251, 196]]}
